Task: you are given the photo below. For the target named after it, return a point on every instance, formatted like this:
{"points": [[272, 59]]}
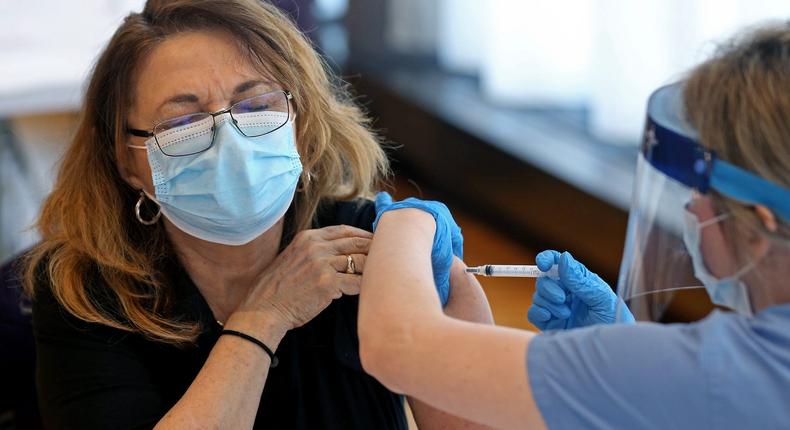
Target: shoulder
{"points": [[637, 366], [746, 354], [747, 358], [717, 361], [359, 213]]}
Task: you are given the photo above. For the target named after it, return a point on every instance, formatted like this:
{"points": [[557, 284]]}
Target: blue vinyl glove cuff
{"points": [[579, 298], [447, 241]]}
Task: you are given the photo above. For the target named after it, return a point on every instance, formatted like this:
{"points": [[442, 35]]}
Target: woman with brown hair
{"points": [[207, 233], [712, 197]]}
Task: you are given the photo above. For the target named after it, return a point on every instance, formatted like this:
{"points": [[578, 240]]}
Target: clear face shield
{"points": [[683, 246]]}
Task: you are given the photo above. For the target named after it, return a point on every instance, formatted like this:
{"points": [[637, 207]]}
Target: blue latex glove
{"points": [[579, 298], [447, 241]]}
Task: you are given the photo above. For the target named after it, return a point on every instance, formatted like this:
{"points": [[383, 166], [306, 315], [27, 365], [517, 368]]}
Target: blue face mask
{"points": [[234, 191], [730, 292]]}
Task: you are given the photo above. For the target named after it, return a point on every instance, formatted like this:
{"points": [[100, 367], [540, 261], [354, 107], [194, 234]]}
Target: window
{"points": [[603, 55]]}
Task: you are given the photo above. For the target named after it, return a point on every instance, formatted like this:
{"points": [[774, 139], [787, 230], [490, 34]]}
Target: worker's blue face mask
{"points": [[730, 291], [234, 191]]}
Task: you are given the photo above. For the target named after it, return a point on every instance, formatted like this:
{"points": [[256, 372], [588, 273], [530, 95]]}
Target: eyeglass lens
{"points": [[194, 133]]}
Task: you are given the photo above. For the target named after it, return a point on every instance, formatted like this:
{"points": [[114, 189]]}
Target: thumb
{"points": [[585, 285], [458, 242], [383, 199], [546, 259]]}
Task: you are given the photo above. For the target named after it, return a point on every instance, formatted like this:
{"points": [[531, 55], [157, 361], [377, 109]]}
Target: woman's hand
{"points": [[310, 273]]}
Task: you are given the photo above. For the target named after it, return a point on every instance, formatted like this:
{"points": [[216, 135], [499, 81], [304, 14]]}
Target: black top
{"points": [[91, 376]]}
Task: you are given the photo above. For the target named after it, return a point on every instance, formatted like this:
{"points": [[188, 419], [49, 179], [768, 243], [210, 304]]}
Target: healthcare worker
{"points": [[711, 209]]}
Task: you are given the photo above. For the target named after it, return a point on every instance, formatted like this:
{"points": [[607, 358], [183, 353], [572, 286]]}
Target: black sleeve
{"points": [[89, 376], [17, 349], [359, 213]]}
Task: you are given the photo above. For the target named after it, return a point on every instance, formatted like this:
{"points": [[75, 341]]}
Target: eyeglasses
{"points": [[194, 133]]}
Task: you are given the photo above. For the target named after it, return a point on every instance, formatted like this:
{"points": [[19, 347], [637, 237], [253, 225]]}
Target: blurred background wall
{"points": [[524, 115]]}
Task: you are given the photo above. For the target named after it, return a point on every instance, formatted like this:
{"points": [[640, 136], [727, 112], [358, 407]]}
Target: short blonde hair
{"points": [[88, 224]]}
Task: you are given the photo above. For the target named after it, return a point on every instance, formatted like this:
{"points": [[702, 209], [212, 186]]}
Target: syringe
{"points": [[513, 270]]}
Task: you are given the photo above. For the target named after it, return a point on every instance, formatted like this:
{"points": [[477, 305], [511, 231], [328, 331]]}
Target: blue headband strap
{"points": [[749, 188], [669, 147]]}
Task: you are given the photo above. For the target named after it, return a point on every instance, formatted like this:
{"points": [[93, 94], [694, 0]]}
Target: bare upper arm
{"points": [[467, 300]]}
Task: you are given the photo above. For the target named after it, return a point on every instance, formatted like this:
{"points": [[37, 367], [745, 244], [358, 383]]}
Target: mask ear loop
{"points": [[745, 269], [707, 222], [714, 220]]}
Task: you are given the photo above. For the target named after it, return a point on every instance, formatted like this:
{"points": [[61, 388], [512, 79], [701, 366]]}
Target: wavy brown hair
{"points": [[87, 223]]}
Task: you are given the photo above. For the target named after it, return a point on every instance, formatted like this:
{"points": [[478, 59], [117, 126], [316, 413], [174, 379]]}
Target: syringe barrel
{"points": [[519, 271]]}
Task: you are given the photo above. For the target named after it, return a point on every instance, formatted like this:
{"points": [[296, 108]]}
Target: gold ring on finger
{"points": [[351, 268]]}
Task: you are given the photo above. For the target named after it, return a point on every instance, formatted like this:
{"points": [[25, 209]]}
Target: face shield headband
{"points": [[671, 147]]}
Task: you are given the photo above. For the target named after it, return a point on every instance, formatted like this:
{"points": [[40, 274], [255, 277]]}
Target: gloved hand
{"points": [[579, 298], [447, 241]]}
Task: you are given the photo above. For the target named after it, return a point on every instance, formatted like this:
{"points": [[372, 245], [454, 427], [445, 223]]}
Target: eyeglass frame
{"points": [[214, 115]]}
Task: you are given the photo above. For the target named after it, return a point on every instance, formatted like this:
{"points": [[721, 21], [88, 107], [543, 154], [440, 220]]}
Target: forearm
{"points": [[474, 371], [227, 390], [467, 302], [397, 296]]}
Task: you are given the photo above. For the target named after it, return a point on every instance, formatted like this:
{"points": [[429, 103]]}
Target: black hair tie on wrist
{"points": [[272, 357]]}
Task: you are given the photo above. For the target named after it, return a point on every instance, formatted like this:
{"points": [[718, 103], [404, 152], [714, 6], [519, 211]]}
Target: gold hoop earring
{"points": [[137, 211]]}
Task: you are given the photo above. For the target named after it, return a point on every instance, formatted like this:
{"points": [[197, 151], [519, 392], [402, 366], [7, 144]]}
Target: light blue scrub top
{"points": [[724, 372]]}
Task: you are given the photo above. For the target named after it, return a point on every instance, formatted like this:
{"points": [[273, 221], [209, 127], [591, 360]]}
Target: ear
{"points": [[127, 171], [767, 217]]}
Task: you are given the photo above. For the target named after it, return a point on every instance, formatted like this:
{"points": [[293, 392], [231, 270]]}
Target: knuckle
{"points": [[312, 235], [314, 247], [301, 236], [361, 243], [336, 229], [347, 230]]}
